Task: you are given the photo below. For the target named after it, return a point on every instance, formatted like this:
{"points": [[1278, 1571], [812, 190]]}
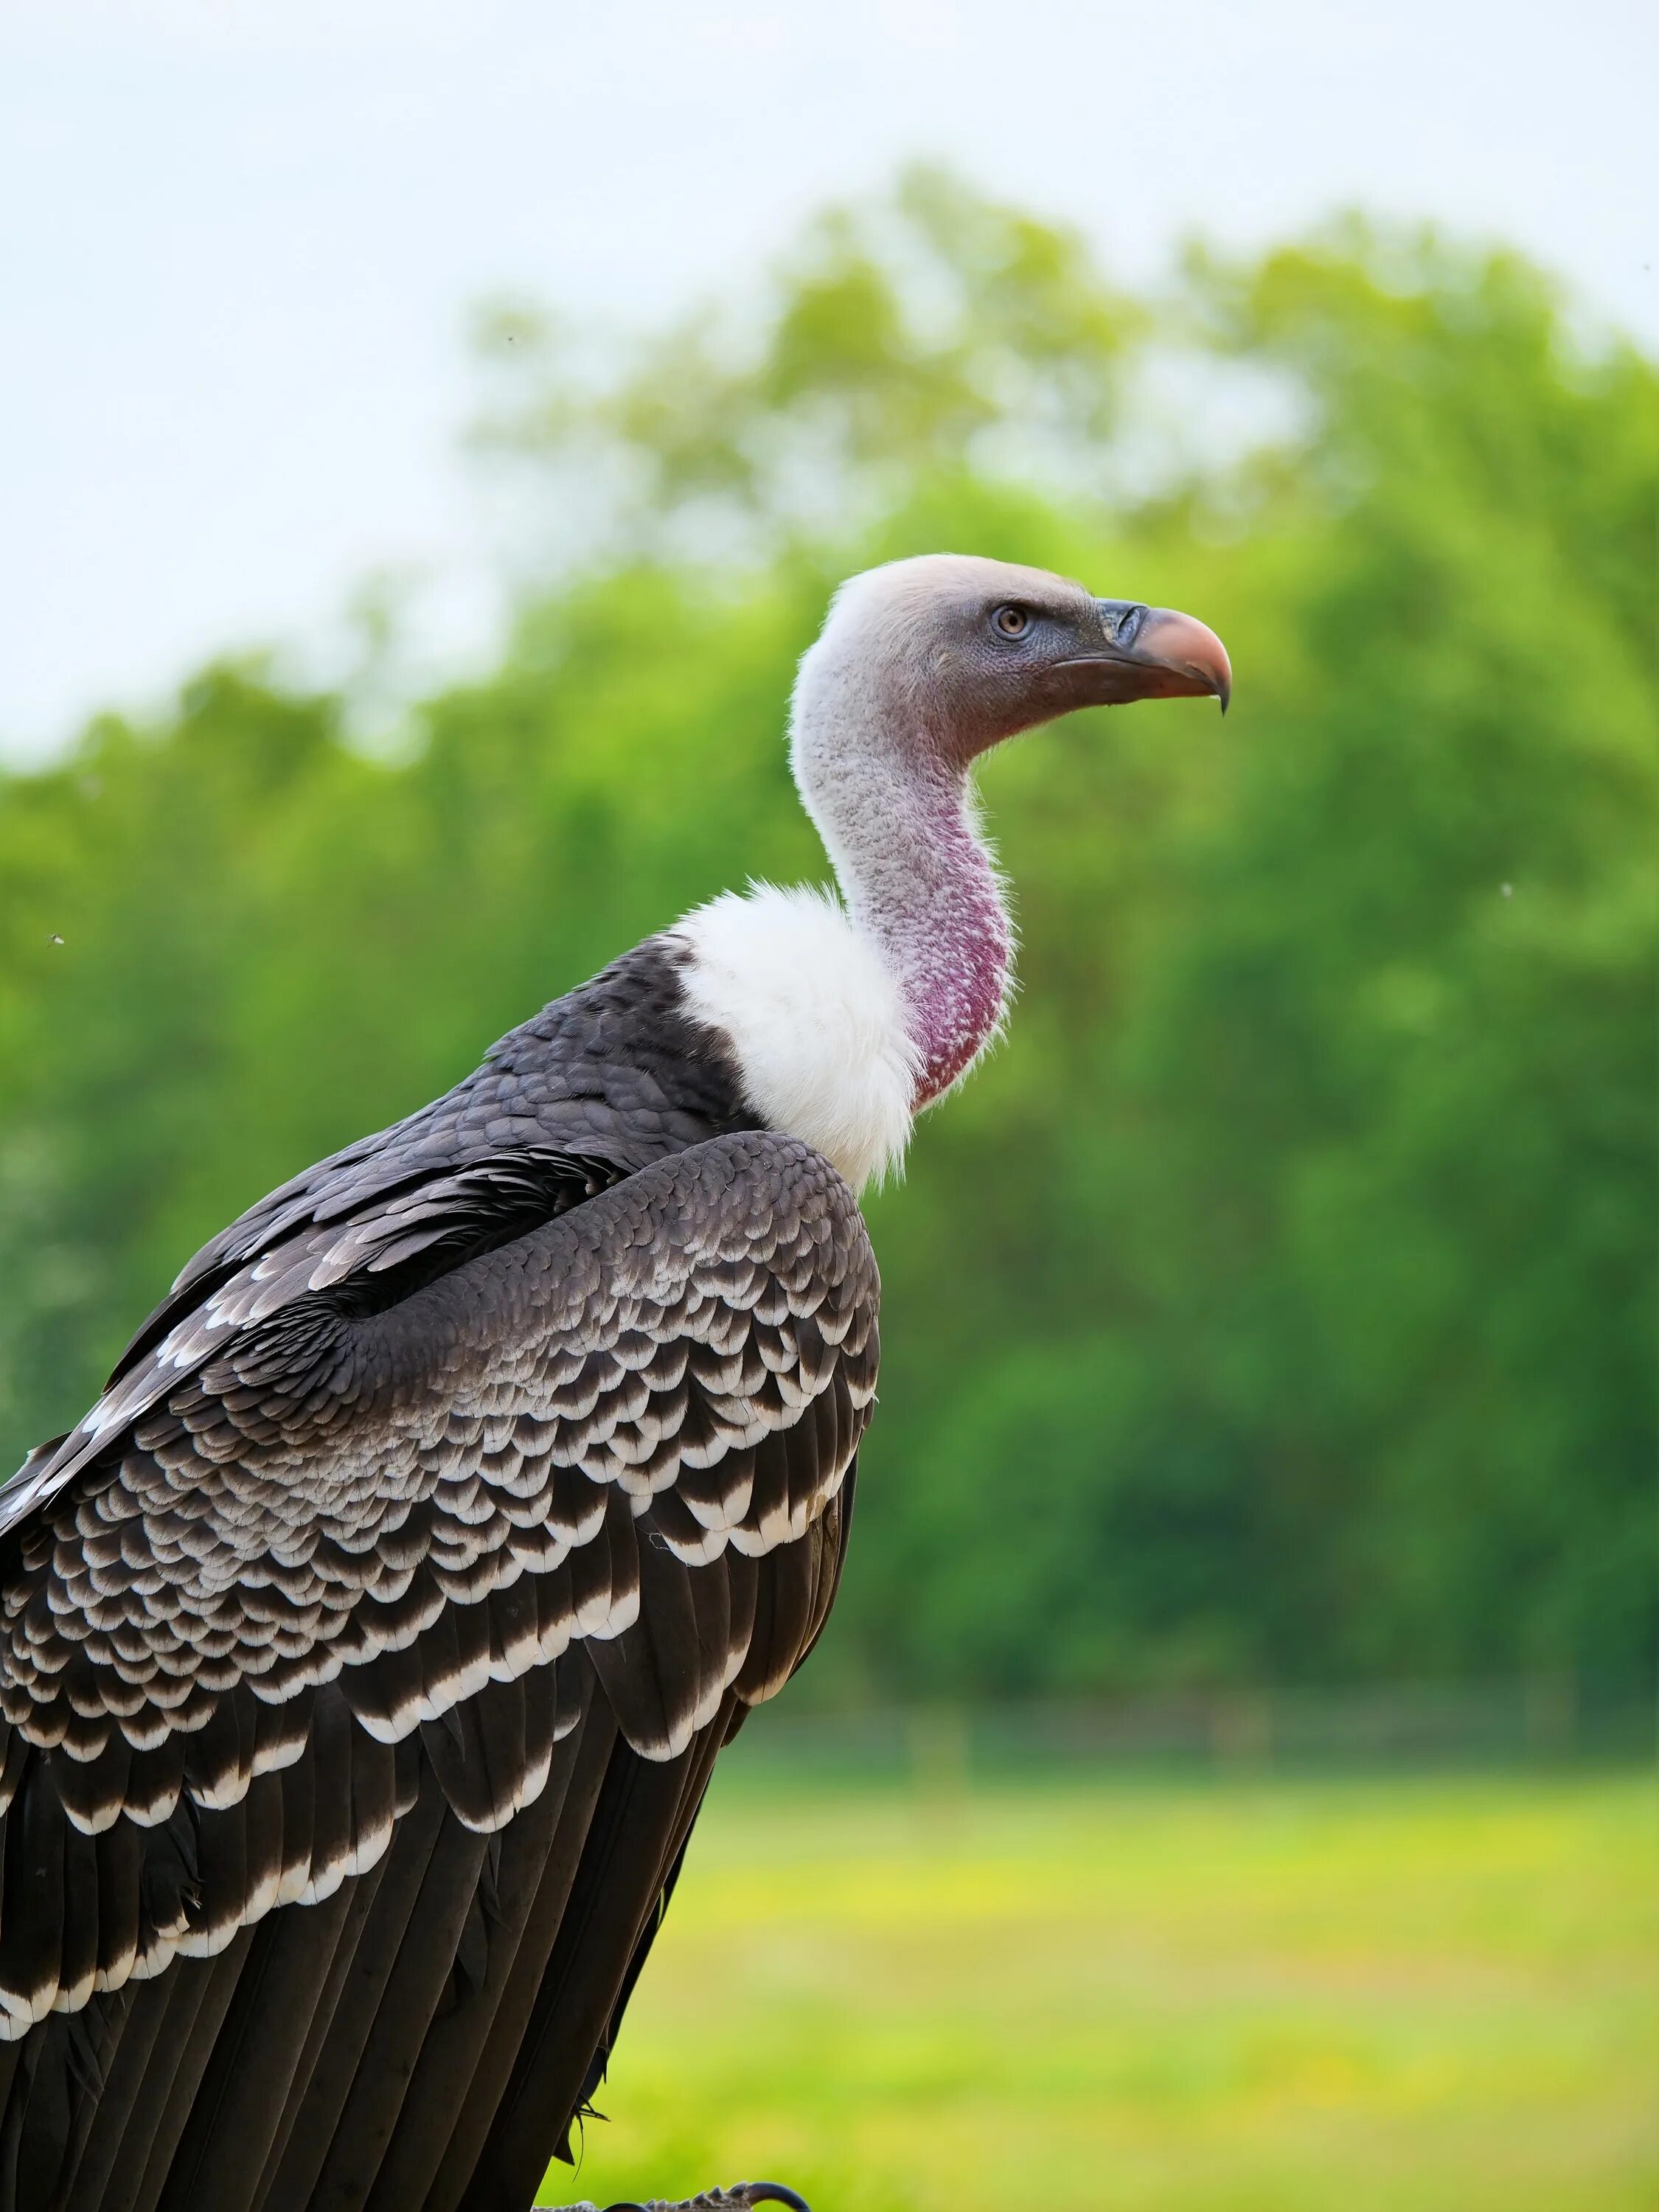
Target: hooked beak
{"points": [[1154, 652]]}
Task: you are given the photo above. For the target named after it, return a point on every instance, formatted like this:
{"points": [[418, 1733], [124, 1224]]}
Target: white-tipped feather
{"points": [[816, 1022]]}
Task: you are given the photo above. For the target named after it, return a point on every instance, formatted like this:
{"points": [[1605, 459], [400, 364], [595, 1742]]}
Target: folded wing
{"points": [[362, 1667]]}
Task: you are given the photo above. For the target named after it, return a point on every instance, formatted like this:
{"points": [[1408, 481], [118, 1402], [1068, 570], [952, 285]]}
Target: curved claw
{"points": [[771, 2192]]}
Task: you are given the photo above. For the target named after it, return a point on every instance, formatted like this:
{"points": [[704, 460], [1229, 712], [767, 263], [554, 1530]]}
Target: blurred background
{"points": [[431, 436]]}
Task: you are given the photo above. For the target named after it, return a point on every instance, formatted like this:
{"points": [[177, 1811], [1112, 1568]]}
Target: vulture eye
{"points": [[1011, 621]]}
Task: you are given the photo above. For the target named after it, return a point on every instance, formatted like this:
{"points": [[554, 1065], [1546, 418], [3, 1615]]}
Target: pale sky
{"points": [[238, 237]]}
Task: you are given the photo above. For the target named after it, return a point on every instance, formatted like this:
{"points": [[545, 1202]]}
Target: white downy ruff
{"points": [[815, 1019]]}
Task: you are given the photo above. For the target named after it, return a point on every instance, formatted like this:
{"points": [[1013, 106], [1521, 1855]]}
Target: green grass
{"points": [[1434, 1994]]}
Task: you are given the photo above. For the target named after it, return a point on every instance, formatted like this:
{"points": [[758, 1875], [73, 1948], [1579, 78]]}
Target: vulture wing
{"points": [[365, 1657]]}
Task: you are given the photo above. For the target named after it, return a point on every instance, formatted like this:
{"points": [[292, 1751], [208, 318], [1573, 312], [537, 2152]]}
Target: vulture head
{"points": [[947, 655], [921, 666]]}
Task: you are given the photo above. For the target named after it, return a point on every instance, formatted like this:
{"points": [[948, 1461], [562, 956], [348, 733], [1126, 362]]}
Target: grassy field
{"points": [[1422, 1995]]}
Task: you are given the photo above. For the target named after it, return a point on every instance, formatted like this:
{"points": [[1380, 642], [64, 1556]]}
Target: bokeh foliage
{"points": [[1278, 1302]]}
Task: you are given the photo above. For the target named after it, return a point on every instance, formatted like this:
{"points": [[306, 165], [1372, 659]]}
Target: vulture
{"points": [[366, 1649]]}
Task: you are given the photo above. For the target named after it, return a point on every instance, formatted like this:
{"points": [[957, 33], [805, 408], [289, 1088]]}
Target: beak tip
{"points": [[1191, 650]]}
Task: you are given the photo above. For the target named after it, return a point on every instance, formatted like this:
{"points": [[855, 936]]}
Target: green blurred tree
{"points": [[897, 343]]}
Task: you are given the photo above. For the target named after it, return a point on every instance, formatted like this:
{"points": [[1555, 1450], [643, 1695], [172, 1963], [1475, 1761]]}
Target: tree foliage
{"points": [[1278, 1302]]}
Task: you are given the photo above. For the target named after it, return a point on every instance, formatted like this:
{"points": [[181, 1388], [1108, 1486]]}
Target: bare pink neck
{"points": [[919, 880]]}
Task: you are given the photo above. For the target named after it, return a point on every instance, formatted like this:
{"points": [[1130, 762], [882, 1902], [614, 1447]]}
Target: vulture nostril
{"points": [[1127, 625]]}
